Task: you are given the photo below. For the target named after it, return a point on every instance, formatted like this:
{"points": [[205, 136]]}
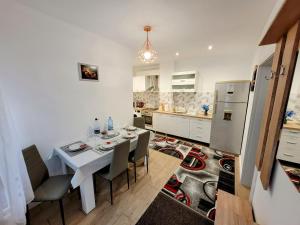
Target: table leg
{"points": [[87, 195]]}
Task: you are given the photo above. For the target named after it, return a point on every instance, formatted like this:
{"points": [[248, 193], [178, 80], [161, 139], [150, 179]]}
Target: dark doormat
{"points": [[164, 210]]}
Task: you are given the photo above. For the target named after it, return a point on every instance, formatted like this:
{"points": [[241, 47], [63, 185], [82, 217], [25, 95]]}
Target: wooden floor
{"points": [[240, 190], [128, 206]]}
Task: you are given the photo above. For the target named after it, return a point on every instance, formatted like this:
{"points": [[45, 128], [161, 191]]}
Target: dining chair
{"points": [[141, 151], [119, 165], [139, 122], [45, 187]]}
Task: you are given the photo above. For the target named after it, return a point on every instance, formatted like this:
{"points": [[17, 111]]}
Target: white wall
{"points": [[165, 76], [279, 204], [217, 68], [211, 69], [39, 77]]}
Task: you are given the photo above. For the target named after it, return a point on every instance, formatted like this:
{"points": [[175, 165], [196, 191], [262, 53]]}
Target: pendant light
{"points": [[147, 54]]}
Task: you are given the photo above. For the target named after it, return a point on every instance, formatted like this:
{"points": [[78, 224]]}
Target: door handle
{"points": [[291, 143]]}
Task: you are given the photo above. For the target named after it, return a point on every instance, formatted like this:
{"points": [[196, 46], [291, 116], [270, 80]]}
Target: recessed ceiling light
{"points": [[177, 53], [210, 47]]}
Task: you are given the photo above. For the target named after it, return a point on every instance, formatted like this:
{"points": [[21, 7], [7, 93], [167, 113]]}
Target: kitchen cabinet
{"points": [[182, 126], [200, 130], [139, 84], [289, 146], [171, 124]]}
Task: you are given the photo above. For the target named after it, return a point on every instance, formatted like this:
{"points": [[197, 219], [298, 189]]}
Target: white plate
{"points": [[131, 128], [107, 145], [74, 147], [129, 135]]}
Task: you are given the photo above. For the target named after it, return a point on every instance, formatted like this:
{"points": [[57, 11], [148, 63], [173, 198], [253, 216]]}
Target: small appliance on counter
{"points": [[229, 115], [147, 113]]}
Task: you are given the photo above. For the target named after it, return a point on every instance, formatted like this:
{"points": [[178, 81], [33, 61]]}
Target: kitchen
{"points": [[187, 112]]}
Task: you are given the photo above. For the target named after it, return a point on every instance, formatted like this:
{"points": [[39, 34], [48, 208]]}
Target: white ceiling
{"points": [[233, 27]]}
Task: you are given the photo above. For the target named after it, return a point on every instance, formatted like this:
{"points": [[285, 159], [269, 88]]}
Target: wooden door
{"points": [[285, 78]]}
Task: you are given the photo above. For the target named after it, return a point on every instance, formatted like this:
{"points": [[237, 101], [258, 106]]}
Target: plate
{"points": [[107, 145], [75, 147], [131, 128], [129, 135]]}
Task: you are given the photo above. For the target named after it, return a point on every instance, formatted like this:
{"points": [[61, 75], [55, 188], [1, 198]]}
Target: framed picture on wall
{"points": [[88, 72]]}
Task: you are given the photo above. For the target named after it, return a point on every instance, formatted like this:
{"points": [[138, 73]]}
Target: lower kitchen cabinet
{"points": [[171, 124], [200, 130], [289, 146], [183, 126]]}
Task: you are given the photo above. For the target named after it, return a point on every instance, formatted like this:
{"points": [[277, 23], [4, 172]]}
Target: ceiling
{"points": [[233, 27]]}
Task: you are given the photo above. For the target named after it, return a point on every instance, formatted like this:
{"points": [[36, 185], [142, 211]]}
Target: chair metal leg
{"points": [[147, 163], [27, 215], [94, 181], [127, 177], [134, 171], [111, 192], [61, 206]]}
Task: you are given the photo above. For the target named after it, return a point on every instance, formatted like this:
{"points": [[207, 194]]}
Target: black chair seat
{"points": [[53, 188]]}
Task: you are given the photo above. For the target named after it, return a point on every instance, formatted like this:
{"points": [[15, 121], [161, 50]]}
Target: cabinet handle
{"points": [[270, 76], [199, 127], [282, 70], [291, 143], [287, 154], [294, 132]]}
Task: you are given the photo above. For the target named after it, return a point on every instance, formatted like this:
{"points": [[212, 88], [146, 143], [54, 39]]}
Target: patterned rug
{"points": [[201, 172]]}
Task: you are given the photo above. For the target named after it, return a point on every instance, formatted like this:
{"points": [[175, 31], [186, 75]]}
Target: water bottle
{"points": [[96, 126], [110, 125]]}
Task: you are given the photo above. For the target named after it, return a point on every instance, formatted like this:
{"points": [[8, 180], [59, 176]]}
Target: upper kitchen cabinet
{"points": [[146, 79], [185, 81]]}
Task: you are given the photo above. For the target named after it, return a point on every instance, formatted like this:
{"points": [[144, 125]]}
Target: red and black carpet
{"points": [[201, 172]]}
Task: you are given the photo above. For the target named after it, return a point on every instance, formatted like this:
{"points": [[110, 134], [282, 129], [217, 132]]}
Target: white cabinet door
{"points": [[161, 122], [200, 130], [171, 124], [178, 125], [139, 83]]}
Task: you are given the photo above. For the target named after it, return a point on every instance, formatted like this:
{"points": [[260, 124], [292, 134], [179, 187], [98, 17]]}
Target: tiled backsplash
{"points": [[151, 99], [190, 101], [193, 101]]}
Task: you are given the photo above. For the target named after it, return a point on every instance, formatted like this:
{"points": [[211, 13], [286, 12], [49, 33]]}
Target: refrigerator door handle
{"points": [[216, 96], [215, 108], [215, 102]]}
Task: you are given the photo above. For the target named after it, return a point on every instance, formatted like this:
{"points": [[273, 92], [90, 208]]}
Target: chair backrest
{"points": [[119, 159], [36, 167], [139, 122], [142, 145]]}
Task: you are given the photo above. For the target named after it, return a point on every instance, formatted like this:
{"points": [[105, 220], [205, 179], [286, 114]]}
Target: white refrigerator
{"points": [[229, 115]]}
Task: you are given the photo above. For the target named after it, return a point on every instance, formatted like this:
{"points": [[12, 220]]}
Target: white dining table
{"points": [[86, 163]]}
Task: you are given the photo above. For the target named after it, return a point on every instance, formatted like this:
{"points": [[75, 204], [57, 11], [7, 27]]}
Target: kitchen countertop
{"points": [[199, 115], [292, 125]]}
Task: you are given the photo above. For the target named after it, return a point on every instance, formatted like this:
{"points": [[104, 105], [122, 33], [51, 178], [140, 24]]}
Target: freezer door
{"points": [[228, 127], [232, 92]]}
